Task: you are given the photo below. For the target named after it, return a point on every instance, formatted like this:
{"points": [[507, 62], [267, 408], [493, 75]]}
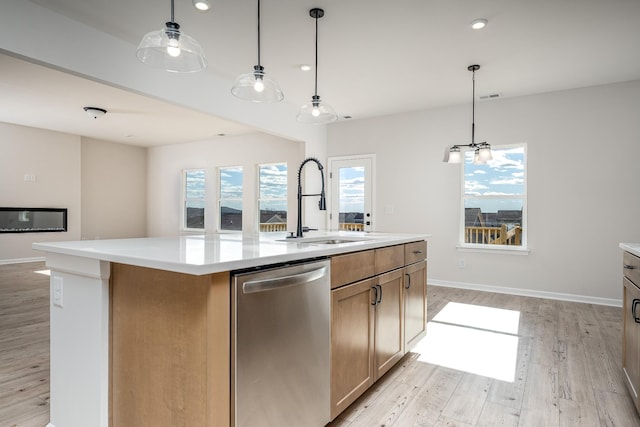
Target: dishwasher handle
{"points": [[284, 281]]}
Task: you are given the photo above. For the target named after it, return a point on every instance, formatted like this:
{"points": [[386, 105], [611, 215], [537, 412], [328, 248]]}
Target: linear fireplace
{"points": [[32, 220]]}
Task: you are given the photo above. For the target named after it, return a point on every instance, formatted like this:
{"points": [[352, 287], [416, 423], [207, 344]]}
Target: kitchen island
{"points": [[140, 328]]}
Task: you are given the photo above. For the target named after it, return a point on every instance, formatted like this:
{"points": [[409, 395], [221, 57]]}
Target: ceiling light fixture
{"points": [[256, 86], [482, 149], [95, 112], [305, 67], [202, 5], [171, 49], [478, 24], [315, 111]]}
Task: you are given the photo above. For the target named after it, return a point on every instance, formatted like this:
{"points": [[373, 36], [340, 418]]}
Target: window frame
{"points": [[285, 199], [185, 200], [220, 199], [522, 249]]}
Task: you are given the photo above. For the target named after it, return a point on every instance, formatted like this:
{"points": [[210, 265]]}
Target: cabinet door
{"points": [[631, 341], [388, 329], [415, 304], [352, 313]]}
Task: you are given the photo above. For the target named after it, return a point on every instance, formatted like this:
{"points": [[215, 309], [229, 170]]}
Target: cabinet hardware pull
{"points": [[634, 306], [375, 297], [408, 285], [417, 252], [380, 294], [628, 267]]}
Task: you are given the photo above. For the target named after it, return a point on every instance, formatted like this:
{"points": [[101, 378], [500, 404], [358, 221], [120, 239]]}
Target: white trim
{"points": [[50, 425], [20, 260], [493, 249], [528, 293]]}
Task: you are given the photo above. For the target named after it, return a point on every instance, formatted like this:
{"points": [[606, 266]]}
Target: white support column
{"points": [[79, 310]]}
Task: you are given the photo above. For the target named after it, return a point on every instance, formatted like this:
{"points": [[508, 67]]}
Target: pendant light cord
{"points": [[172, 19], [259, 32], [316, 80], [473, 109]]}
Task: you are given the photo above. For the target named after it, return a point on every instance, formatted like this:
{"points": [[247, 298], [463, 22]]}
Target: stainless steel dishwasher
{"points": [[280, 346]]}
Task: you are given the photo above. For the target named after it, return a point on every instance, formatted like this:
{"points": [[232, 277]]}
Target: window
{"points": [[495, 198], [272, 198], [193, 200], [230, 201]]}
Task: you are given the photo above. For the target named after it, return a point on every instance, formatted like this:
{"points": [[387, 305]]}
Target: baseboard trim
{"points": [[21, 260], [528, 293]]}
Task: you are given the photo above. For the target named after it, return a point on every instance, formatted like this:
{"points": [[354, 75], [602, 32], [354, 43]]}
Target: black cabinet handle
{"points": [[408, 284], [417, 252], [379, 294], [634, 306], [375, 296], [628, 267]]}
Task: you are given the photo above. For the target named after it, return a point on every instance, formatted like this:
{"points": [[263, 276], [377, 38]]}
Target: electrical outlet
{"points": [[461, 263], [57, 291]]}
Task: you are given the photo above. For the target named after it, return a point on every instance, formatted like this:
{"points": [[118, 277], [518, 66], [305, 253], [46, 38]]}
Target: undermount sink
{"points": [[326, 240]]}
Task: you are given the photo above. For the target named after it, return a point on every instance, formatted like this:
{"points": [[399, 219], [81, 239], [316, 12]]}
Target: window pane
{"points": [[504, 175], [494, 198], [194, 214], [231, 198], [195, 184], [351, 188], [194, 203], [231, 183], [273, 197]]}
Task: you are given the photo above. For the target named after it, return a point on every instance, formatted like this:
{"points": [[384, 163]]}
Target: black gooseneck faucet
{"points": [[322, 204]]}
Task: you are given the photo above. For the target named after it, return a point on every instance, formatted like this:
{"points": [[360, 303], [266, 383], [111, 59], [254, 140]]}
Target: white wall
{"points": [[114, 193], [583, 173], [165, 165], [55, 160]]}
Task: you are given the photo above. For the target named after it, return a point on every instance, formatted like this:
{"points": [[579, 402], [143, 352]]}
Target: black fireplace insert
{"points": [[32, 220]]}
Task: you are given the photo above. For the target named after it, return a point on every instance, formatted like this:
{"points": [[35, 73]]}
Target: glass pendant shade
{"points": [[257, 87], [172, 50], [453, 155], [316, 112], [484, 153]]}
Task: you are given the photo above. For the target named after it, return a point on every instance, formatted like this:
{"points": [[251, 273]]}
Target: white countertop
{"points": [[633, 248], [212, 253]]}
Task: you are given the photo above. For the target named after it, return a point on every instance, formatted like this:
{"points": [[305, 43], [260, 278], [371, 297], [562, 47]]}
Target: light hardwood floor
{"points": [[567, 369], [24, 345]]}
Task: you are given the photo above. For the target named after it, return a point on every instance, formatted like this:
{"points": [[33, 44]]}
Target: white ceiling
{"points": [[375, 57]]}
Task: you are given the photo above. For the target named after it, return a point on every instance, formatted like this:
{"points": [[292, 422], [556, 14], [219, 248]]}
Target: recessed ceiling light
{"points": [[305, 67], [202, 5], [478, 24]]}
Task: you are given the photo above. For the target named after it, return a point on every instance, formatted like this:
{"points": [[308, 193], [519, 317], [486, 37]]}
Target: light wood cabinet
{"points": [[368, 334], [631, 325], [352, 343], [415, 303]]}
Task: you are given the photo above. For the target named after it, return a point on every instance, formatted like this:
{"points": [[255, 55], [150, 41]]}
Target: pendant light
{"points": [[256, 86], [316, 111], [171, 49], [482, 151]]}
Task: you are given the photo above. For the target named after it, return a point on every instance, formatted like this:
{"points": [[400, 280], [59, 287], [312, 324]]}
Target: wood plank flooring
{"points": [[567, 373], [566, 368], [24, 345]]}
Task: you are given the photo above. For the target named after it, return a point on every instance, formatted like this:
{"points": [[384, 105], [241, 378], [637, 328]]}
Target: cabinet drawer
{"points": [[631, 267], [414, 252], [389, 258], [351, 267]]}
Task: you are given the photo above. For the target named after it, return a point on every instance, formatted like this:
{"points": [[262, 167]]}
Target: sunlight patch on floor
{"points": [[480, 317], [45, 272], [475, 339]]}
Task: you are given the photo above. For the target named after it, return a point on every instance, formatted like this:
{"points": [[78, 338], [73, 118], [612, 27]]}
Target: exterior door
{"points": [[351, 199]]}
